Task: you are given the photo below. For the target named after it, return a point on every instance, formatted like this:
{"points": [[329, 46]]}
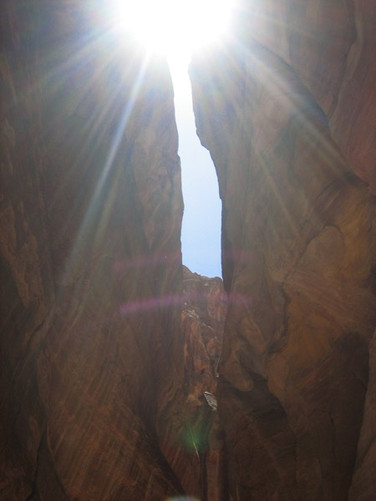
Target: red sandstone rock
{"points": [[298, 261], [90, 261], [195, 445], [331, 47], [107, 346]]}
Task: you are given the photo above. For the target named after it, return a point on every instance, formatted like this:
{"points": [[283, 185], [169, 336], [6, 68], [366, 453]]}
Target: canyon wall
{"points": [[195, 447], [287, 111], [91, 272], [113, 382]]}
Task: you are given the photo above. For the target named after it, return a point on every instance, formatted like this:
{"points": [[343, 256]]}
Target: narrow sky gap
{"points": [[175, 30], [201, 230]]}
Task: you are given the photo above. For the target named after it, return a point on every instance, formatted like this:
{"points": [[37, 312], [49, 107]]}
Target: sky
{"points": [[201, 232], [175, 29]]}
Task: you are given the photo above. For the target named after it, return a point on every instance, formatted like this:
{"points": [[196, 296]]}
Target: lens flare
{"points": [[180, 498], [173, 27]]}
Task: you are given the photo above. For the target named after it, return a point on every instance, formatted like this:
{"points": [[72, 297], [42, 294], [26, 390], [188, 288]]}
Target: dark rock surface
{"points": [[91, 209]]}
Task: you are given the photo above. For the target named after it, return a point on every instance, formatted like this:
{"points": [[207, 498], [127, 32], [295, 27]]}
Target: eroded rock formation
{"points": [[90, 260], [298, 249], [195, 439], [110, 349]]}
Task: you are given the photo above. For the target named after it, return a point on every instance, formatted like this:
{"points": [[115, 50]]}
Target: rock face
{"points": [[90, 260], [331, 48], [195, 439], [275, 110], [114, 381]]}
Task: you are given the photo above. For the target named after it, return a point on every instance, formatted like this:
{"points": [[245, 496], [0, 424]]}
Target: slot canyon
{"points": [[124, 375]]}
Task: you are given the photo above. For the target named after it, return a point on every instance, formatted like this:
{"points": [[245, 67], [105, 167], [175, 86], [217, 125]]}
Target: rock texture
{"points": [[331, 48], [90, 260], [298, 248], [111, 355], [195, 445]]}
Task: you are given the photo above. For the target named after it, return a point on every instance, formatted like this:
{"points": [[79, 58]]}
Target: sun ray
{"points": [[93, 207]]}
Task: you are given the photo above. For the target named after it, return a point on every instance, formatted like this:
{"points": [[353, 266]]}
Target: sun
{"points": [[174, 28]]}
